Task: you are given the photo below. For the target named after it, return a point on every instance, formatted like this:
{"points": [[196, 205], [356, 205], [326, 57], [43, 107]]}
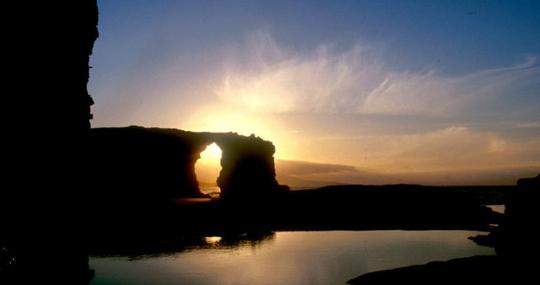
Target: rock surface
{"points": [[43, 200], [156, 164], [519, 234]]}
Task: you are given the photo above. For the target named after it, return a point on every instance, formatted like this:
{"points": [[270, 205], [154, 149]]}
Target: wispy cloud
{"points": [[450, 148], [297, 173], [527, 125], [264, 76], [302, 174]]}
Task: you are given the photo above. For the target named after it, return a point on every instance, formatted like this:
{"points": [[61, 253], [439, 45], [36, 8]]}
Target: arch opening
{"points": [[207, 169]]}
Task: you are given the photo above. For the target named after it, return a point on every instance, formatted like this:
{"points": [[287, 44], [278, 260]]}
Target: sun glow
{"points": [[239, 122], [209, 162], [224, 118], [213, 240], [211, 153]]}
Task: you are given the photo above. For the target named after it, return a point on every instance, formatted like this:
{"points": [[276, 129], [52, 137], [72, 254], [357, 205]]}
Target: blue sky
{"points": [[332, 81], [454, 36]]}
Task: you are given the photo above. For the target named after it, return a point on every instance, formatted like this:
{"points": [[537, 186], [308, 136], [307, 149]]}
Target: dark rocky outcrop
{"points": [[154, 164], [519, 234], [476, 269], [248, 170], [43, 202]]}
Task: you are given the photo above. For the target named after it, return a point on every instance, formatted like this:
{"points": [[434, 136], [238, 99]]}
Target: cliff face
{"points": [[153, 164], [518, 237], [43, 196]]}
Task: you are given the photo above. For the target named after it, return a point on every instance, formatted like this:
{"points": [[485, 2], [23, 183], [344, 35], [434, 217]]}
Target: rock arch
{"points": [[155, 164]]}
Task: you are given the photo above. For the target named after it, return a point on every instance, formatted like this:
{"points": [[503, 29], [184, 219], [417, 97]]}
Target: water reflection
{"points": [[212, 240], [497, 208], [288, 258], [141, 249]]}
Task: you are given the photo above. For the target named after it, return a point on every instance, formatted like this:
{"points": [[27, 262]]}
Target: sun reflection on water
{"points": [[212, 240]]}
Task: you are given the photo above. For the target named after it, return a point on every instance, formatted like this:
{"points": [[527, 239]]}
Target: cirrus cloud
{"points": [[263, 76]]}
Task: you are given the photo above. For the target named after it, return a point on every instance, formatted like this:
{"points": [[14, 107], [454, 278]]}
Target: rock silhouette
{"points": [[517, 239], [43, 197], [483, 269], [154, 164]]}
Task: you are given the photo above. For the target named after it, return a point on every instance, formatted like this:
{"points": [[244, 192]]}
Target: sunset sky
{"points": [[434, 92]]}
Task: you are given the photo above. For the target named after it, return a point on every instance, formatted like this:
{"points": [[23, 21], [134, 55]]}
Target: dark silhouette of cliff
{"points": [[47, 112], [519, 229]]}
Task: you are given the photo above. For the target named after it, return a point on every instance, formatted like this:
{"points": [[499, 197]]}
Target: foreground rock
{"points": [[477, 269]]}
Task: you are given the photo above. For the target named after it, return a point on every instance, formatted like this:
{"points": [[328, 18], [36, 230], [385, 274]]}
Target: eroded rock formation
{"points": [[43, 200], [518, 237], [154, 164]]}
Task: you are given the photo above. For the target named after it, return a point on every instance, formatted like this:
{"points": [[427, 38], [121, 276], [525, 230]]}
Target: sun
{"points": [[224, 118], [212, 152]]}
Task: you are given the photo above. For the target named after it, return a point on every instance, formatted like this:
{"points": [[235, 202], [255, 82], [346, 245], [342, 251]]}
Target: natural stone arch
{"points": [[155, 164]]}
